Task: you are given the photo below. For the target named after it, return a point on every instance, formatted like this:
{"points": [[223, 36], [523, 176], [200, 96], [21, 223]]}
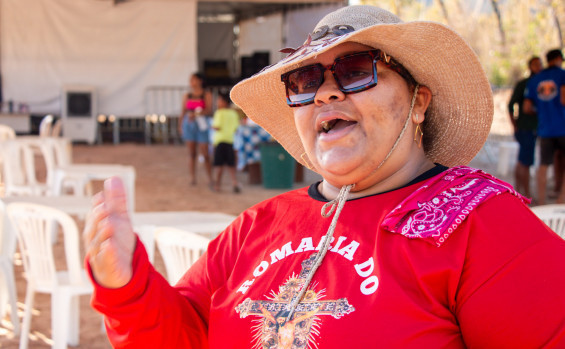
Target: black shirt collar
{"points": [[315, 194]]}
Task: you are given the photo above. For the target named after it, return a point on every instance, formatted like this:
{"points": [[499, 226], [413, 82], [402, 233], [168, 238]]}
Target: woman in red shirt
{"points": [[399, 246]]}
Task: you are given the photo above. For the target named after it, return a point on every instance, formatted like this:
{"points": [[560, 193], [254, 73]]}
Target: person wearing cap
{"points": [[399, 246], [545, 94], [525, 126]]}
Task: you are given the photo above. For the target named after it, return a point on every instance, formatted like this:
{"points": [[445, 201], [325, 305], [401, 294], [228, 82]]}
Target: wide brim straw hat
{"points": [[459, 118]]}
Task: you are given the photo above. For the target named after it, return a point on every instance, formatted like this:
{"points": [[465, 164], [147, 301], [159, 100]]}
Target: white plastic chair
{"points": [[8, 295], [62, 174], [6, 132], [46, 125], [56, 152], [57, 129], [179, 250], [553, 216], [34, 226], [19, 171], [147, 237], [80, 176]]}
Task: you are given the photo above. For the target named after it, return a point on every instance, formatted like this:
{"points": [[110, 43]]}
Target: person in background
{"points": [[400, 245], [238, 143], [545, 94], [525, 126], [194, 125], [225, 123]]}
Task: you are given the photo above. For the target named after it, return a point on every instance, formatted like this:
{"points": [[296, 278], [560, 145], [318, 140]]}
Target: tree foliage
{"points": [[503, 33]]}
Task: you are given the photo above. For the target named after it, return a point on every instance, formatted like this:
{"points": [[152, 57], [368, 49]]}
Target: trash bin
{"points": [[277, 166]]}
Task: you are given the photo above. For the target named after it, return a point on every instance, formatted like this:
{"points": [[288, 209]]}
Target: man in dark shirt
{"points": [[546, 93], [525, 126]]}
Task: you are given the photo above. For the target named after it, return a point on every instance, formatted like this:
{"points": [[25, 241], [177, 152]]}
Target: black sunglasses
{"points": [[353, 73]]}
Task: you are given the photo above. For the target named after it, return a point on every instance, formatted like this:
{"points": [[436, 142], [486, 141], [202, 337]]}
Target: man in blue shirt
{"points": [[546, 95], [525, 127]]}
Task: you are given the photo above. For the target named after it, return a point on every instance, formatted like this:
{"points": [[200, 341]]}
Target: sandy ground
{"points": [[162, 184]]}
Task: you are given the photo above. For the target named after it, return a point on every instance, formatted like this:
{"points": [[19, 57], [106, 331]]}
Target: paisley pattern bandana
{"points": [[433, 211]]}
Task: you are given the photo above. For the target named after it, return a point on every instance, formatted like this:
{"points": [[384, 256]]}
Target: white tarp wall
{"points": [[274, 32], [119, 49], [263, 34], [215, 42], [300, 23]]}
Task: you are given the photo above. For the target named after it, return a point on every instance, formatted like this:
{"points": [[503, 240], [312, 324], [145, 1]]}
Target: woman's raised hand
{"points": [[108, 236]]}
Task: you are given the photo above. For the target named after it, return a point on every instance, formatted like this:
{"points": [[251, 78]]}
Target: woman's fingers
{"points": [[96, 214], [108, 236], [103, 231], [98, 198], [109, 209], [115, 201], [115, 196]]}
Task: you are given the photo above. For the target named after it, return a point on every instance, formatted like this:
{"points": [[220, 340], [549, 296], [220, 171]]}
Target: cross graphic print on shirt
{"points": [[274, 331]]}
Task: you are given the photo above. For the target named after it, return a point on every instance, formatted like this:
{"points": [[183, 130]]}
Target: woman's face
{"points": [[368, 124], [195, 82]]}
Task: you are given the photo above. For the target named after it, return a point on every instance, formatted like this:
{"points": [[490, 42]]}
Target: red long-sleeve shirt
{"points": [[496, 282]]}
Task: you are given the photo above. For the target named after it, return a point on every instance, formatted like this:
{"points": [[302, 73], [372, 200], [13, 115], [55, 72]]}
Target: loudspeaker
{"points": [[79, 113], [261, 60], [216, 72], [253, 64], [247, 67]]}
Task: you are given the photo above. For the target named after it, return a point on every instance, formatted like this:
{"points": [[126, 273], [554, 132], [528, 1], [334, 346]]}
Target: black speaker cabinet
{"points": [[253, 64]]}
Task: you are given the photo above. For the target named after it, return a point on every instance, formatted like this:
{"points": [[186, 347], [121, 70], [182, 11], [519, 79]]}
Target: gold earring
{"points": [[306, 161], [418, 129]]}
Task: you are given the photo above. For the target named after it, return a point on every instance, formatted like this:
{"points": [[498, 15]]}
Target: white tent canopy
{"points": [[120, 50]]}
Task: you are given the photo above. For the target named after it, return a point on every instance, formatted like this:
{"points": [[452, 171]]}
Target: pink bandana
{"points": [[436, 209]]}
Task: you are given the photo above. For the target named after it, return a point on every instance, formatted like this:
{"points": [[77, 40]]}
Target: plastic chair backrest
{"points": [[553, 216], [19, 167], [20, 157], [45, 126], [146, 234], [179, 249], [3, 234], [8, 295], [34, 225], [7, 236], [6, 132], [62, 148], [56, 153], [57, 129]]}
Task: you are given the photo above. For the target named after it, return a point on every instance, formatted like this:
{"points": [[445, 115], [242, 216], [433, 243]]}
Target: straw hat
{"points": [[459, 118]]}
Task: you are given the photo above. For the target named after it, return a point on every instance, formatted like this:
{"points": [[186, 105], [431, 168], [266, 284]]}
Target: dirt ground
{"points": [[162, 184]]}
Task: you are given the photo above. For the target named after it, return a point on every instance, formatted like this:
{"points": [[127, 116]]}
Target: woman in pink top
{"points": [[194, 125]]}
